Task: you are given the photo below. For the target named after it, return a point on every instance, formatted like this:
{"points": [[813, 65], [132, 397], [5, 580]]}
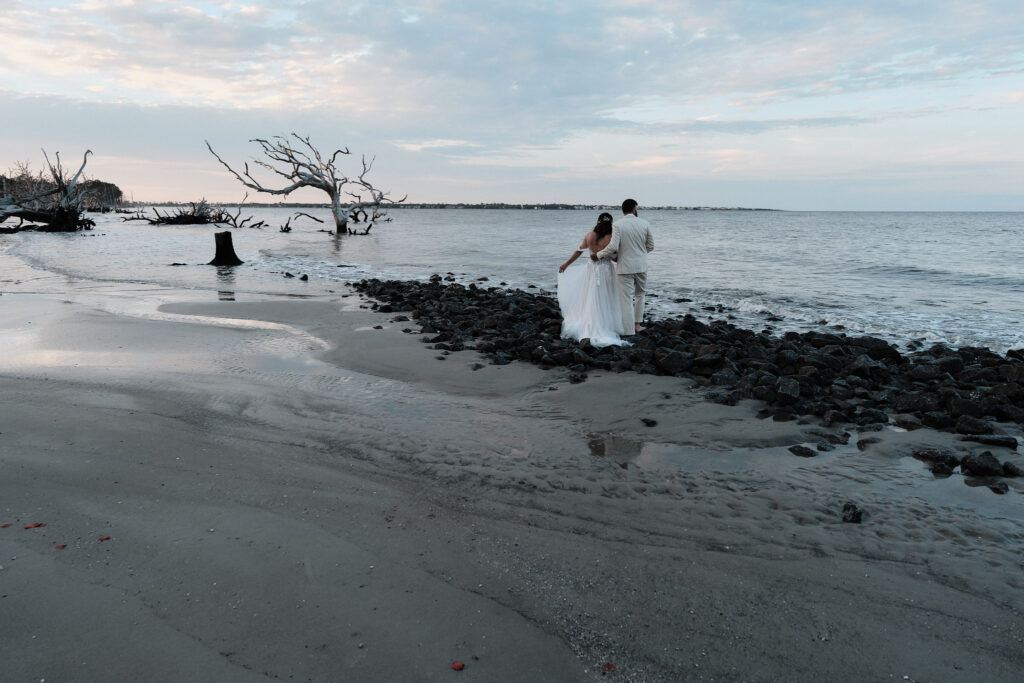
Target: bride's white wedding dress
{"points": [[588, 295]]}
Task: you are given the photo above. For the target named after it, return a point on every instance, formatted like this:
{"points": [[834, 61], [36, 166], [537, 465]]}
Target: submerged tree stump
{"points": [[225, 255]]}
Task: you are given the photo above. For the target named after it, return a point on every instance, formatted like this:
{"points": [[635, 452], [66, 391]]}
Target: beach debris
{"points": [[104, 538], [197, 213], [852, 514], [5, 525], [649, 422], [802, 451], [458, 666], [225, 251], [353, 198], [60, 547], [35, 525], [608, 667], [51, 204], [983, 465]]}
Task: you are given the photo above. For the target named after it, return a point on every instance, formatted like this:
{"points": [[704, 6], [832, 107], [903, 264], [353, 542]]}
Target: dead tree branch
{"points": [[53, 204], [298, 163]]}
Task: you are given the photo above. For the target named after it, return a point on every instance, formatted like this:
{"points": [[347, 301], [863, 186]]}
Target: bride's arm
{"points": [[575, 255]]}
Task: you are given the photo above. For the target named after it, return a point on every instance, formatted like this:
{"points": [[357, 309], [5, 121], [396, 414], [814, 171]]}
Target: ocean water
{"points": [[956, 278]]}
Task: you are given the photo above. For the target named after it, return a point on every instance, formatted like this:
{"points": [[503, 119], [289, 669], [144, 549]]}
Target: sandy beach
{"points": [[296, 489]]}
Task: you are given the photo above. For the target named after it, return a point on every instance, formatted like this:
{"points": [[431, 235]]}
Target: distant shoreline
{"points": [[442, 205]]}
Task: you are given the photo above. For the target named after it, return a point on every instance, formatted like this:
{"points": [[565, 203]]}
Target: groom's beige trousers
{"points": [[634, 292]]}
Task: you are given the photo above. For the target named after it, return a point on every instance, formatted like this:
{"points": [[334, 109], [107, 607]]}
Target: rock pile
{"points": [[839, 378]]}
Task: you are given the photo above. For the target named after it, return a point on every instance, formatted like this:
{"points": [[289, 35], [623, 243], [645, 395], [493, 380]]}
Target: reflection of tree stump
{"points": [[225, 255]]}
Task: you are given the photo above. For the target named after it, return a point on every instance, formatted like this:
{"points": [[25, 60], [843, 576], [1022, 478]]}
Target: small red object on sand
{"points": [[608, 666], [104, 538], [35, 525], [5, 525], [60, 547], [458, 666]]}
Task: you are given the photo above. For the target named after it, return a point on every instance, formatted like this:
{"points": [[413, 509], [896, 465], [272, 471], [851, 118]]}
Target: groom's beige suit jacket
{"points": [[632, 239]]}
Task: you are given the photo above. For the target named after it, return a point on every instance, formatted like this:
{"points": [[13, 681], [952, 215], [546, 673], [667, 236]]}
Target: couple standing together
{"points": [[604, 301]]}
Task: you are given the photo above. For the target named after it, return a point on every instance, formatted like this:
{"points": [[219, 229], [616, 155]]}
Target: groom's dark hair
{"points": [[629, 206]]}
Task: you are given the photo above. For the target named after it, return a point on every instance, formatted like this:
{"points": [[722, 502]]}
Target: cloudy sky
{"points": [[808, 104]]}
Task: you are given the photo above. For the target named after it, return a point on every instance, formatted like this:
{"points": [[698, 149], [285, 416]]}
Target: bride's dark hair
{"points": [[604, 225]]}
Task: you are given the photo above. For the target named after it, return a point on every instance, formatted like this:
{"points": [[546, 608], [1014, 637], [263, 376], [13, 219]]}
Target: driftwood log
{"points": [[52, 205], [225, 254]]}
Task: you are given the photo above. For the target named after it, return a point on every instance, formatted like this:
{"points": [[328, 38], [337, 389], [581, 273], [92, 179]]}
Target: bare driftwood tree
{"points": [[295, 160], [51, 204]]}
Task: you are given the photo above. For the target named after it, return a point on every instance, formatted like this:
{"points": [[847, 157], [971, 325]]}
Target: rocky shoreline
{"points": [[839, 379]]}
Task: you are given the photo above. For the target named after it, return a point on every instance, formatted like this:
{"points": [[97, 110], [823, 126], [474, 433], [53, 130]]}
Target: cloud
{"points": [[470, 84], [434, 144]]}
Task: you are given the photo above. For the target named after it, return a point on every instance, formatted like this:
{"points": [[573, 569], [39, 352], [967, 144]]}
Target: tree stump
{"points": [[225, 255]]}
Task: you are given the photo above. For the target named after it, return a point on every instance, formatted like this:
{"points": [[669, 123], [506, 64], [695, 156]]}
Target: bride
{"points": [[589, 295]]}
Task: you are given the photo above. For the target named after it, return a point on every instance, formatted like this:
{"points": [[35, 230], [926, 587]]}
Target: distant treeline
{"points": [[487, 205]]}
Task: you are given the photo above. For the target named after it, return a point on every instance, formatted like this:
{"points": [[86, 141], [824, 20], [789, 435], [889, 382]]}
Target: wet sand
{"points": [[290, 493]]}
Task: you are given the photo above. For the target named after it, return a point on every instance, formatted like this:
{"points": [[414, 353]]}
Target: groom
{"points": [[631, 238]]}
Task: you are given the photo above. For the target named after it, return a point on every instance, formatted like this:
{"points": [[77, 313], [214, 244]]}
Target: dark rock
{"points": [[998, 440], [925, 373], [941, 469], [577, 377], [951, 364], [648, 421], [972, 425], [872, 416], [725, 378], [937, 420], [840, 439], [999, 487], [877, 349], [802, 451], [671, 361], [908, 422], [983, 465], [852, 514], [787, 389], [865, 443], [832, 417], [934, 455], [866, 367], [962, 406], [1012, 469], [825, 446], [917, 403]]}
